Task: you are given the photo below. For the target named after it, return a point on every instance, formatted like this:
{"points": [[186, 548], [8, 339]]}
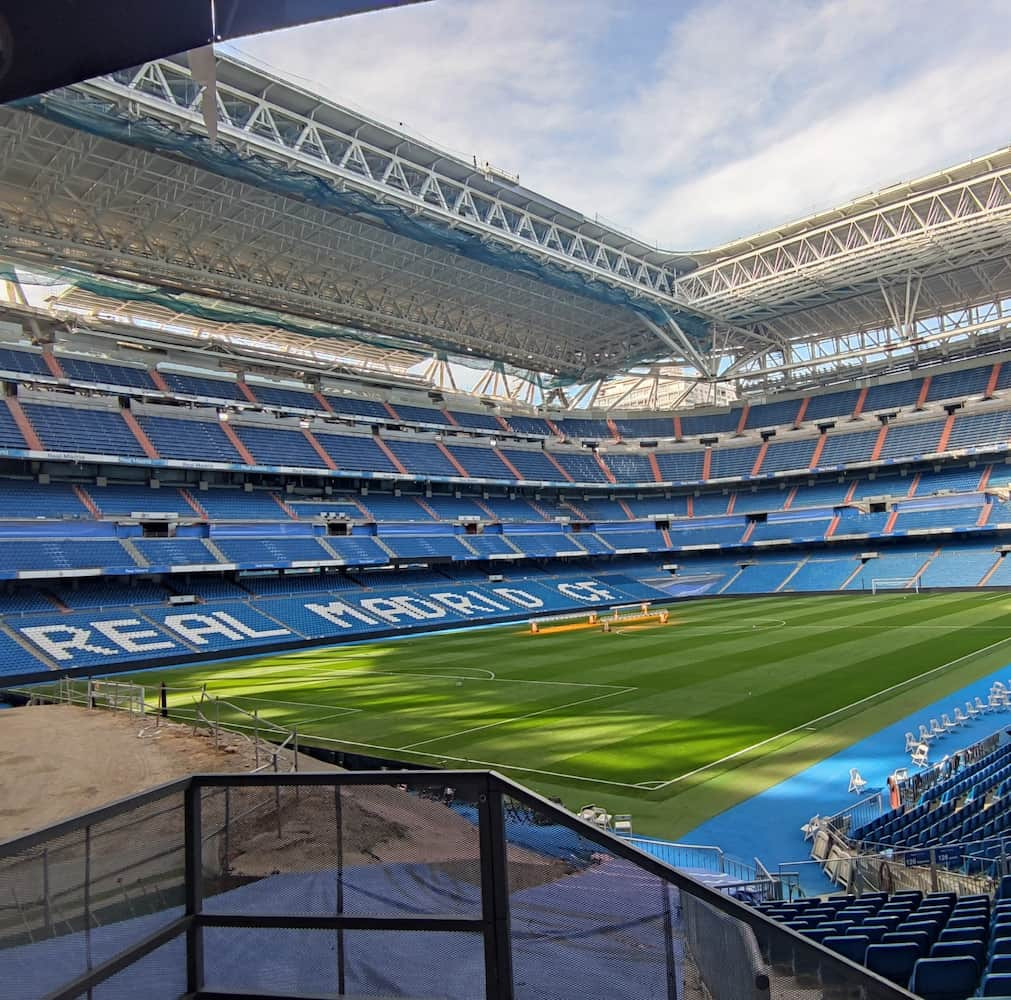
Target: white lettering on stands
{"points": [[387, 610], [129, 640], [47, 638], [337, 613], [248, 630], [585, 591], [195, 628], [420, 609], [520, 597]]}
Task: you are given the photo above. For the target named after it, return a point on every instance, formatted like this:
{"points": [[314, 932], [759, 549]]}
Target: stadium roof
{"points": [[319, 222]]}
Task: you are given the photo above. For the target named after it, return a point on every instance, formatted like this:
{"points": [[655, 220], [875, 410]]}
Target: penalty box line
{"points": [[822, 718], [518, 718]]}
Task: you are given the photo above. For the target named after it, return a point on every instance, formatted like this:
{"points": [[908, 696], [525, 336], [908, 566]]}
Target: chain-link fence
{"points": [[457, 885]]}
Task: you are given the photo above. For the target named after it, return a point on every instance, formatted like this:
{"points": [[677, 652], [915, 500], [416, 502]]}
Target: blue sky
{"points": [[686, 124]]}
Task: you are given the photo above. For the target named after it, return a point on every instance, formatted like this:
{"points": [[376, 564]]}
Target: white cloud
{"points": [[710, 122]]}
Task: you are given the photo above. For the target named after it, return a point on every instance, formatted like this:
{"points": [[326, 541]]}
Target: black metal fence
{"points": [[454, 885]]}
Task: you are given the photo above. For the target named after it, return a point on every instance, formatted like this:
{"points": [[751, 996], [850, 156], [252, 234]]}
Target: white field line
{"points": [[297, 704], [828, 715], [299, 723], [518, 718]]}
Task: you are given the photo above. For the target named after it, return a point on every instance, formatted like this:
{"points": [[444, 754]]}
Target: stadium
{"points": [[528, 610]]}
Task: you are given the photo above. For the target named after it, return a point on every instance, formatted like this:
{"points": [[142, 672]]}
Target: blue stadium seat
{"points": [[944, 978], [892, 961], [104, 373], [354, 452], [72, 428], [203, 440]]}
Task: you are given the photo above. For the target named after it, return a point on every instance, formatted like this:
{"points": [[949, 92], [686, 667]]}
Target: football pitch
{"points": [[671, 723]]}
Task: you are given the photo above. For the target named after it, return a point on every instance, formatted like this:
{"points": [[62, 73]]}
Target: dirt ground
{"points": [[61, 760]]}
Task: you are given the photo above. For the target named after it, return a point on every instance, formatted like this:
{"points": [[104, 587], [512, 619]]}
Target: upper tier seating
{"points": [[821, 494], [914, 439], [65, 428], [237, 505], [518, 509], [359, 550], [709, 423], [421, 414], [48, 554], [451, 508], [789, 455], [284, 398], [195, 385], [893, 395], [841, 449], [480, 421], [680, 466], [629, 468], [579, 428], [169, 552], [831, 404], [760, 500], [270, 446], [659, 507], [532, 465], [23, 499], [422, 458], [354, 407], [635, 428], [86, 370], [480, 463], [426, 546], [355, 452], [733, 462], [581, 466], [10, 435], [272, 551], [529, 425], [121, 500], [23, 362], [957, 384], [775, 414], [974, 430], [392, 508], [199, 440]]}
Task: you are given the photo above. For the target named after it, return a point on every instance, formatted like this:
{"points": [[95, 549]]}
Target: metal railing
{"points": [[453, 884]]}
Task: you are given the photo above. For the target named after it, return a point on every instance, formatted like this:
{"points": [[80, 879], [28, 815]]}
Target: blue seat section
{"points": [[582, 466], [15, 659], [680, 466], [10, 434], [629, 468], [914, 439], [578, 427], [355, 452], [773, 414], [623, 540], [937, 518], [487, 545], [659, 506], [955, 385], [963, 563], [759, 501], [545, 544], [530, 425], [451, 508], [264, 552], [359, 550], [481, 421], [238, 505], [710, 504], [426, 546], [1002, 576], [117, 499], [25, 600], [831, 404], [974, 430], [325, 581], [307, 509], [174, 551], [386, 507], [47, 554], [22, 499], [895, 394], [761, 578], [279, 396], [211, 588], [533, 465], [354, 407], [601, 509], [790, 455], [821, 495], [66, 428], [518, 509], [882, 486], [421, 414], [422, 458], [794, 526], [196, 385], [85, 370], [822, 574], [279, 447], [852, 522], [593, 543], [1000, 475], [841, 448], [964, 480], [222, 626], [735, 462], [692, 425], [23, 362], [702, 534], [891, 566], [635, 428], [481, 463], [92, 593], [196, 440]]}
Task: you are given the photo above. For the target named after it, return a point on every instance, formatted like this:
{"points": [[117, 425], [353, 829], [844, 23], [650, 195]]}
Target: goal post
{"points": [[887, 583]]}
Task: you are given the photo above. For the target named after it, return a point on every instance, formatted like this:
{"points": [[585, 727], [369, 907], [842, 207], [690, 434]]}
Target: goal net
{"points": [[880, 584]]}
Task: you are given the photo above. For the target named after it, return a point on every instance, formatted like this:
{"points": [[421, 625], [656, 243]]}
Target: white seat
{"points": [[981, 707], [936, 729], [971, 710], [811, 827], [960, 717], [911, 742], [925, 736], [857, 784], [622, 822], [900, 774], [997, 701], [920, 755], [948, 724]]}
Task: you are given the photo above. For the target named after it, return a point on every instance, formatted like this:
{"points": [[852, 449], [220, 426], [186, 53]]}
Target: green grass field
{"points": [[672, 724]]}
